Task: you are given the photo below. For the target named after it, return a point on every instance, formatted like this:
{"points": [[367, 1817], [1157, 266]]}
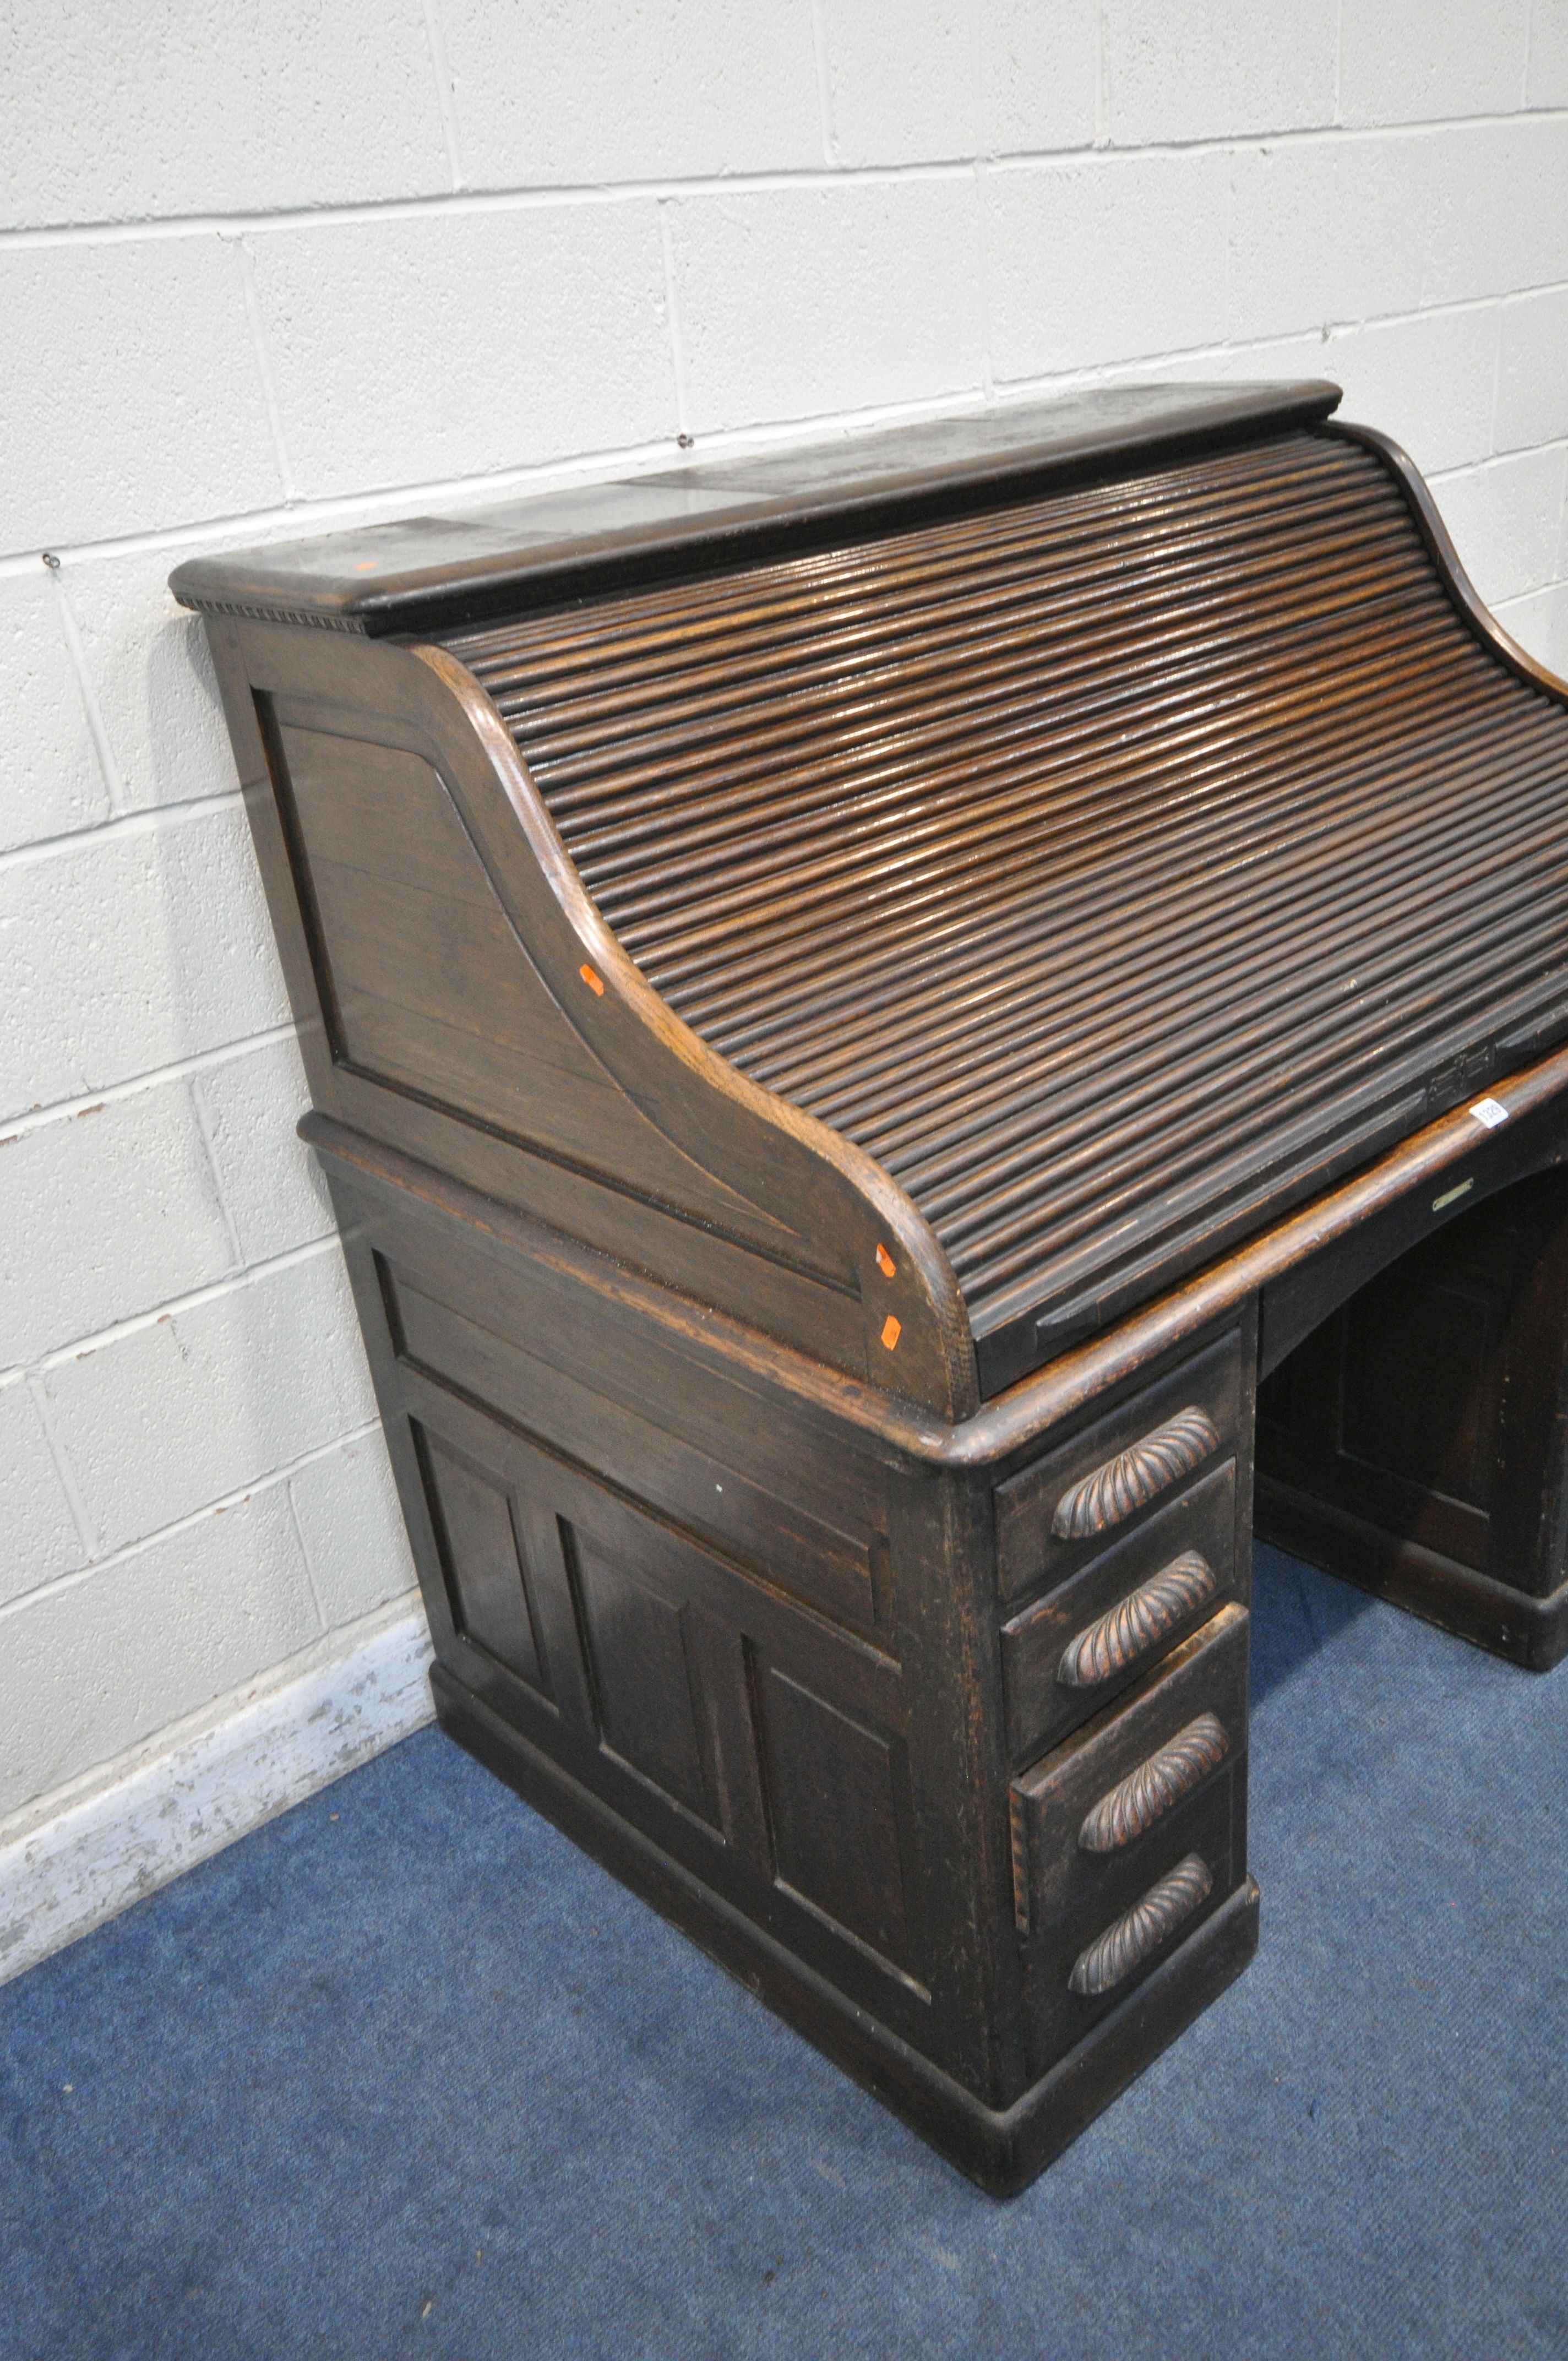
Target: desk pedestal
{"points": [[1415, 1444]]}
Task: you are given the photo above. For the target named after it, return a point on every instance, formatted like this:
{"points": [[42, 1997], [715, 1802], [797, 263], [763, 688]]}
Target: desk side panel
{"points": [[458, 998], [751, 1635]]}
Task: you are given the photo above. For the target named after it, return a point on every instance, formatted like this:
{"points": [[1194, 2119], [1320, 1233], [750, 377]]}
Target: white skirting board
{"points": [[123, 1840]]}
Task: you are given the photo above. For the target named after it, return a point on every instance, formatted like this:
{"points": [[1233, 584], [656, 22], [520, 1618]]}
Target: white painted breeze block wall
{"points": [[264, 269]]}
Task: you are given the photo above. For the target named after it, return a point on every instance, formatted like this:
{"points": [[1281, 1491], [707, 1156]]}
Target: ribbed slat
{"points": [[1110, 865]]}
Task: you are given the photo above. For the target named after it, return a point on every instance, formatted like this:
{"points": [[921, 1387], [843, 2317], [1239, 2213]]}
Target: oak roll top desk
{"points": [[856, 1001]]}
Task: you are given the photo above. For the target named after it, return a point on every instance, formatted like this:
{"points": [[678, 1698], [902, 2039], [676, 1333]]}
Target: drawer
{"points": [[1127, 1838], [1088, 1809], [1120, 1614], [1140, 1911], [1069, 1505]]}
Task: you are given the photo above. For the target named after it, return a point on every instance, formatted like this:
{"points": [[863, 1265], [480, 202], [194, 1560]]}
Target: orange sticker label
{"points": [[884, 1262], [891, 1332], [593, 983]]}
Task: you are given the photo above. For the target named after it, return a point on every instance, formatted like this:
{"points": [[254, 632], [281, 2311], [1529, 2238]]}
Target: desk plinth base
{"points": [[1532, 1632], [1004, 2151]]}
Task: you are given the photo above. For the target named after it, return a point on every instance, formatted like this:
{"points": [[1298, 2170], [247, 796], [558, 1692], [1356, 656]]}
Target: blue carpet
{"points": [[403, 2073]]}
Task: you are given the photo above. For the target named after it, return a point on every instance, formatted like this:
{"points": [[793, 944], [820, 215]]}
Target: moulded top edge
{"points": [[393, 577]]}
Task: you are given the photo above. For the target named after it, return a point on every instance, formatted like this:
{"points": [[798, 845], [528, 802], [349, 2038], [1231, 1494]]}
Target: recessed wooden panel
{"points": [[642, 1679], [748, 1736], [1424, 1408], [788, 1534], [1415, 1353], [427, 984], [485, 1581], [833, 1794]]}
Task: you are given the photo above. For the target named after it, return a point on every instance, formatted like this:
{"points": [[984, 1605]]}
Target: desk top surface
{"points": [[408, 573]]}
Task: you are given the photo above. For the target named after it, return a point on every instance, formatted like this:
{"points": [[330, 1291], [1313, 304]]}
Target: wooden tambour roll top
{"points": [[926, 896]]}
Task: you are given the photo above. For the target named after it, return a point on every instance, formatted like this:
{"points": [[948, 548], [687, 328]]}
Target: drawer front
{"points": [[1129, 1920], [1084, 1818], [1069, 1654], [1069, 1505]]}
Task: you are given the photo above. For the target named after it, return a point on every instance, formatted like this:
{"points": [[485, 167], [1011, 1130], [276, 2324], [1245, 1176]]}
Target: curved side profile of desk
{"points": [[854, 1001]]}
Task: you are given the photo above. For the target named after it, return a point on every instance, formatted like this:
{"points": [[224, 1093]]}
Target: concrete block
{"points": [[50, 780], [1219, 72], [500, 339], [148, 661], [1507, 520], [38, 1533], [272, 1185], [352, 1530], [1540, 623], [1105, 261], [1038, 68], [1546, 80], [129, 949], [1326, 231], [900, 80], [795, 302], [628, 91], [130, 392], [1425, 60], [1498, 210], [109, 1213], [159, 1421], [117, 113], [97, 1667], [1532, 376], [1271, 359], [1428, 381]]}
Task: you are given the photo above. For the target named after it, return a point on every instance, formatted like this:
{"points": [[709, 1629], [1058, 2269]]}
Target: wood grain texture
{"points": [[849, 814], [431, 572], [1071, 1503], [848, 1000], [1210, 1521], [1111, 1494], [1152, 1920], [1066, 1894], [1138, 1623], [1413, 1442], [1131, 1808]]}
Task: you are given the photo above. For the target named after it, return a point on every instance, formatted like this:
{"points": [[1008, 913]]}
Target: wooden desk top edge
{"points": [[1011, 1420], [432, 571]]}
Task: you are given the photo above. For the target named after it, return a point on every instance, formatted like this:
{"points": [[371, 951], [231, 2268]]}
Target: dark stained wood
{"points": [[418, 573], [492, 1595], [1060, 1876], [966, 885], [1052, 1514], [1001, 2148], [1414, 1442], [852, 1001], [835, 1787], [1191, 1549]]}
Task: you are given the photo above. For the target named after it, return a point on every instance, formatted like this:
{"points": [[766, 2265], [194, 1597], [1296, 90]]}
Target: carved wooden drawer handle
{"points": [[1111, 1494], [1138, 1622], [1143, 1928], [1129, 1809]]}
